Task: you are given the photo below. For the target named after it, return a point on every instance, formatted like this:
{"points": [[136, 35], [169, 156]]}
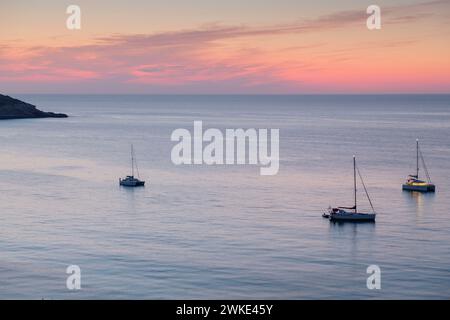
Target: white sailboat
{"points": [[352, 214], [413, 183], [132, 181]]}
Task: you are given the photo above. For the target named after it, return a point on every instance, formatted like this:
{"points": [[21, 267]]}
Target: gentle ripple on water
{"points": [[222, 232]]}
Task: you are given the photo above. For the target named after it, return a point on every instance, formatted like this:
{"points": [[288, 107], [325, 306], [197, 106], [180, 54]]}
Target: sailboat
{"points": [[413, 183], [131, 181], [352, 214]]}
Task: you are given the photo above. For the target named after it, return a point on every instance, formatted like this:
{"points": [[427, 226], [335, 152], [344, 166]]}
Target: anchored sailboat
{"points": [[344, 213], [131, 181], [413, 183]]}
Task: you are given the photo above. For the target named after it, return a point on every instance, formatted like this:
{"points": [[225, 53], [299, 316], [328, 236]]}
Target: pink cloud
{"points": [[195, 57]]}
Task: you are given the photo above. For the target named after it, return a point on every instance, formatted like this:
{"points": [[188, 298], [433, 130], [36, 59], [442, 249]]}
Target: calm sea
{"points": [[223, 231]]}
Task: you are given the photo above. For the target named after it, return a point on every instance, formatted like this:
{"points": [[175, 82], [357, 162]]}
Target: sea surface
{"points": [[223, 232]]}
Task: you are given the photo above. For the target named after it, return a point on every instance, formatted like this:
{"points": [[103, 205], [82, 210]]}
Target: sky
{"points": [[225, 47]]}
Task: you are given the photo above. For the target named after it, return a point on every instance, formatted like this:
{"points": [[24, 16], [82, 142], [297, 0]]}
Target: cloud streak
{"points": [[215, 54]]}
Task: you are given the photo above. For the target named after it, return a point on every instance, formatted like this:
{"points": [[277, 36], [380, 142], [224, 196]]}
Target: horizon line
{"points": [[239, 94]]}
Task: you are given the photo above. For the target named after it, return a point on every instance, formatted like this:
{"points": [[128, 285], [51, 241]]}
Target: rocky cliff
{"points": [[11, 108]]}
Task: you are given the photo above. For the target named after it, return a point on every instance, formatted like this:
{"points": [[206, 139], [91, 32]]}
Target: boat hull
{"points": [[359, 217], [423, 188], [132, 183]]}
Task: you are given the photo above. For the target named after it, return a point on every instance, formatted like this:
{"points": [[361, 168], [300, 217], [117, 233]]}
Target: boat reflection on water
{"points": [[343, 226], [419, 201], [354, 236]]}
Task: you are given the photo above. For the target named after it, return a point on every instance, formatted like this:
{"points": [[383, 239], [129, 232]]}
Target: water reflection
{"points": [[352, 228], [419, 200], [352, 237], [132, 195]]}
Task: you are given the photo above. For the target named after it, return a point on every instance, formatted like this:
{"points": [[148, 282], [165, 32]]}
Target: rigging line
{"points": [[425, 166], [137, 168], [365, 189]]}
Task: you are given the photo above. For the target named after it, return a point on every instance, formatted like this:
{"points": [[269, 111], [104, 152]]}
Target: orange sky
{"points": [[260, 46]]}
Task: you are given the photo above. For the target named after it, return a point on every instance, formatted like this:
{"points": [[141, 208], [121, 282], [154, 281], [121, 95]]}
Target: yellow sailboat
{"points": [[413, 183]]}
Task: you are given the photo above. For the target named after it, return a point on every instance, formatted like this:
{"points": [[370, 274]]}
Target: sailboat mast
{"points": [[417, 158], [354, 179], [132, 161]]}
